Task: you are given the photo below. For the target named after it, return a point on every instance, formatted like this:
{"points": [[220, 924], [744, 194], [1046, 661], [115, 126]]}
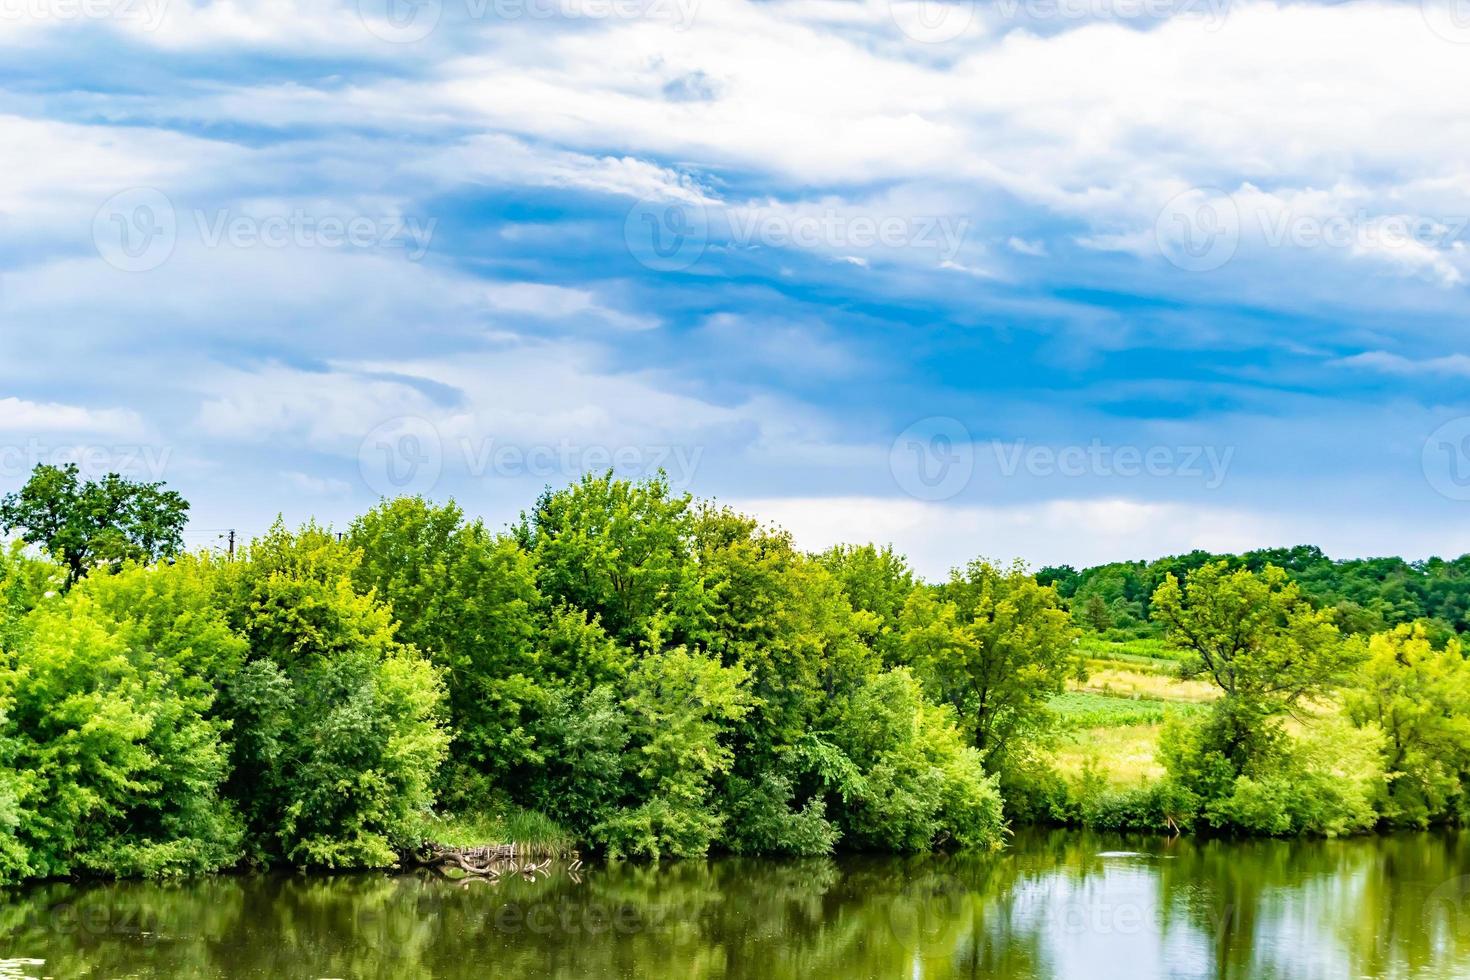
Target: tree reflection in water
{"points": [[1054, 904]]}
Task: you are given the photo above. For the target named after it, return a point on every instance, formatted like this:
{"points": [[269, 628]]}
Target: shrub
{"points": [[112, 729], [338, 729]]}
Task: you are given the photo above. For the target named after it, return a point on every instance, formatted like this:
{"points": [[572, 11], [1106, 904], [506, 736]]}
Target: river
{"points": [[1054, 904]]}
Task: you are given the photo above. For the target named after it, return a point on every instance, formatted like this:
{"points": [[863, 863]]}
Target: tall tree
{"points": [[995, 645], [84, 524]]}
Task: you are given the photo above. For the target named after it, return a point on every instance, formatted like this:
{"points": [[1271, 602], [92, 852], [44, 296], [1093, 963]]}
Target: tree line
{"points": [[661, 676]]}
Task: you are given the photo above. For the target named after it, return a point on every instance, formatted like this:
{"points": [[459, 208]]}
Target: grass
{"points": [[1124, 681], [1093, 645], [524, 828], [1125, 755], [1084, 709], [1111, 722]]}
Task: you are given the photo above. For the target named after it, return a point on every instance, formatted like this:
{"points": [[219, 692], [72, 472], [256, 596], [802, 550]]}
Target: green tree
{"points": [[997, 647], [1419, 696], [912, 782], [338, 725], [678, 708], [1254, 635], [877, 582], [84, 524], [112, 729], [620, 551], [469, 600]]}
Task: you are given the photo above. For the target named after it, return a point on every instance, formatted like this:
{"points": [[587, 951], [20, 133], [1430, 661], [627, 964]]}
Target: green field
{"points": [[1111, 721]]}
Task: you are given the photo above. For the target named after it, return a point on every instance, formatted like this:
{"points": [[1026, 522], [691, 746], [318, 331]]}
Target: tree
{"points": [[996, 646], [83, 524], [877, 582], [1267, 649], [1253, 634], [112, 728], [621, 551], [913, 782], [677, 708], [468, 600], [338, 727], [1419, 696]]}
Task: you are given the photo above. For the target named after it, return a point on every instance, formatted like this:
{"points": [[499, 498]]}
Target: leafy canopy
{"points": [[83, 524]]}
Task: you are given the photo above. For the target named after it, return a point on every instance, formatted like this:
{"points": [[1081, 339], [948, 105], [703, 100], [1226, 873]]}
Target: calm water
{"points": [[1054, 905]]}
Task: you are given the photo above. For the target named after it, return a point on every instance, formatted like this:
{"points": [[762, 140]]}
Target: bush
{"points": [[112, 731], [676, 708], [920, 784], [1323, 783], [762, 820], [338, 730]]}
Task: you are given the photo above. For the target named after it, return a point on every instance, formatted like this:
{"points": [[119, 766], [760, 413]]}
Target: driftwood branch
{"points": [[488, 861]]}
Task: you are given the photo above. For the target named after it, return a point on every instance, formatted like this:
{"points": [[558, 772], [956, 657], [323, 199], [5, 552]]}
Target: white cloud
{"points": [[19, 415], [1450, 365], [937, 536]]}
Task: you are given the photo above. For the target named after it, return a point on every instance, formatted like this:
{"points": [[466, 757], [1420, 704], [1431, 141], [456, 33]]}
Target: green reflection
{"points": [[1053, 904]]}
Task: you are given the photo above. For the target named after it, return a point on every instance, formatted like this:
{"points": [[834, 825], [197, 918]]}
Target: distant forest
{"points": [[1369, 595]]}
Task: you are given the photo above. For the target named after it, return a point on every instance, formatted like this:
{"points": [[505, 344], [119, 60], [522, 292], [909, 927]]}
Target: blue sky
{"points": [[1065, 280]]}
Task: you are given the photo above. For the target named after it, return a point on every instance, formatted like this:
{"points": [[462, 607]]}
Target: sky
{"points": [[1058, 280]]}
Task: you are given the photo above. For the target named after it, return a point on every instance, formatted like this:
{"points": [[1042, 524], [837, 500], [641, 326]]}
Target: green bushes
{"points": [[119, 755], [915, 783], [338, 727]]}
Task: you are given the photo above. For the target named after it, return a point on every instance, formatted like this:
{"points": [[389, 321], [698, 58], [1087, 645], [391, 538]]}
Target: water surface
{"points": [[1056, 904]]}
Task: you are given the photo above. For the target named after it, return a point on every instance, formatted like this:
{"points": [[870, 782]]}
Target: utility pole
{"points": [[232, 544]]}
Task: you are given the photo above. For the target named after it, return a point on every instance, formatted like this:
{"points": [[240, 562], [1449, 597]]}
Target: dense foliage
{"points": [[1367, 595], [653, 676]]}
